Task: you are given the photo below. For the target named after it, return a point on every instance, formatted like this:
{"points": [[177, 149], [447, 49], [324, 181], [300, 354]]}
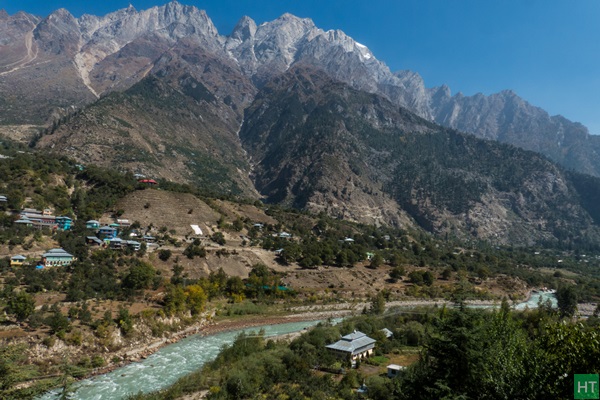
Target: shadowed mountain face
{"points": [[52, 66], [308, 118], [320, 144]]}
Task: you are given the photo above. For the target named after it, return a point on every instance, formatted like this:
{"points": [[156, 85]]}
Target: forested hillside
{"points": [[277, 258]]}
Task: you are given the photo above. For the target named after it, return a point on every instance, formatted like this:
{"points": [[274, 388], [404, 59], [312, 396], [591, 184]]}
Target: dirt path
{"points": [[32, 53]]}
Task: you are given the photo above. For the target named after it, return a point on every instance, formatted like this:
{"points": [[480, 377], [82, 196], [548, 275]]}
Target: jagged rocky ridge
{"points": [[358, 156], [174, 94], [50, 65]]}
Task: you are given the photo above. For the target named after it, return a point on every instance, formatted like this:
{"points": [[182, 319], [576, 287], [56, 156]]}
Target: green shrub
{"points": [[98, 361]]}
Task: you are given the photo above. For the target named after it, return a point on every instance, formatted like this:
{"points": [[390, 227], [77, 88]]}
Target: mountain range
{"points": [[297, 115]]}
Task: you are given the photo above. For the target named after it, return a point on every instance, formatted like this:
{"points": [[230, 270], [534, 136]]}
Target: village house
{"points": [[92, 224], [388, 334], [393, 370], [44, 219], [197, 230], [123, 223], [64, 223], [94, 241], [33, 217], [134, 245], [148, 239], [57, 257], [354, 346], [24, 221], [118, 243], [107, 232], [17, 261]]}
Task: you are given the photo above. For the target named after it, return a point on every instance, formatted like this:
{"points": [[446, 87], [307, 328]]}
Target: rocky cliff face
{"points": [[507, 118], [179, 123], [274, 47], [358, 156], [50, 66], [39, 76], [64, 62], [324, 124]]}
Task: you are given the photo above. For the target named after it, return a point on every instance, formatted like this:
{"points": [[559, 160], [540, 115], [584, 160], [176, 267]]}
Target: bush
{"points": [[58, 322], [396, 273], [75, 338], [164, 254], [21, 305], [218, 238], [376, 261], [140, 276], [98, 361], [194, 250], [49, 341], [125, 322]]}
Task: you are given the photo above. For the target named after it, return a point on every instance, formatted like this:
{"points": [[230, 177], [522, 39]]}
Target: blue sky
{"points": [[547, 51]]}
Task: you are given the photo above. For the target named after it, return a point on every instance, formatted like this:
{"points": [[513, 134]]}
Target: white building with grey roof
{"points": [[56, 258], [354, 346]]}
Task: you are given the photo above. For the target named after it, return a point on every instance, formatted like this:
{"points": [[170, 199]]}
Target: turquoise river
{"points": [[171, 362]]}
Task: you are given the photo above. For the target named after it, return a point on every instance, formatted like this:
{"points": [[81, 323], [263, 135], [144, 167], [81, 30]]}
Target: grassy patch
{"points": [[378, 360], [123, 122], [247, 309]]}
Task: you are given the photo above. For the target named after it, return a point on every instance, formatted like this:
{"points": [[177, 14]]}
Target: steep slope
{"points": [[169, 125], [44, 79], [119, 48], [274, 46], [320, 144], [16, 41], [52, 66], [507, 118], [305, 156], [69, 62]]}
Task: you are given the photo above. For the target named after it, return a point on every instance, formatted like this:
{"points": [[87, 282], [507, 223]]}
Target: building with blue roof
{"points": [[63, 223], [107, 232]]}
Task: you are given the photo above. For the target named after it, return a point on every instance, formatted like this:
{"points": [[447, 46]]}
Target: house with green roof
{"points": [[92, 224]]}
